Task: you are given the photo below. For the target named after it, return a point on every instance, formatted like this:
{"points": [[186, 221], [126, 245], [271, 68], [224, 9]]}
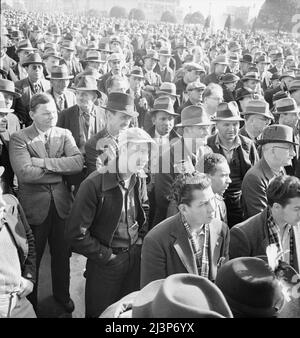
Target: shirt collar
{"points": [[42, 133], [92, 113], [157, 135]]}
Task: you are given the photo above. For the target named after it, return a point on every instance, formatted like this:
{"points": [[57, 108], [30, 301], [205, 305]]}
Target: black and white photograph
{"points": [[149, 161]]}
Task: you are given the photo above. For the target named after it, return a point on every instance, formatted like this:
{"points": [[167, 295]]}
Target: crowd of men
{"points": [[167, 155]]}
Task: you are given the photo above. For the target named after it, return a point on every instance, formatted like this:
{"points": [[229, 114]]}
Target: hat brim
{"points": [[267, 115], [26, 48], [127, 112], [14, 94], [89, 90], [262, 142], [194, 124], [233, 119], [150, 57], [6, 110], [98, 61], [282, 76], [60, 78], [68, 48], [55, 56], [164, 110], [170, 55], [166, 93], [33, 63], [221, 63], [136, 75], [105, 51], [248, 78]]}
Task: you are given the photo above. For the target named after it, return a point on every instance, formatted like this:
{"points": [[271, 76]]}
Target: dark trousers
{"points": [[107, 284], [52, 230], [234, 209]]}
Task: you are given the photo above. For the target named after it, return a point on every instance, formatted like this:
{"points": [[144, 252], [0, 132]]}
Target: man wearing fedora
{"points": [[294, 90], [239, 151], [277, 224], [84, 119], [67, 50], [277, 147], [233, 66], [163, 68], [193, 241], [287, 113], [257, 117], [191, 73], [23, 50], [60, 79], [151, 78], [107, 222], [41, 156], [102, 147], [94, 60], [262, 64], [7, 88], [51, 58], [228, 82], [34, 83], [278, 64], [191, 148], [218, 68], [251, 82], [143, 101], [180, 295], [245, 63], [6, 63]]}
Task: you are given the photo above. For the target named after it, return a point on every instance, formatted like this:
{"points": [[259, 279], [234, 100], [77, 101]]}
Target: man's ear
{"points": [[182, 208], [153, 118], [31, 113]]}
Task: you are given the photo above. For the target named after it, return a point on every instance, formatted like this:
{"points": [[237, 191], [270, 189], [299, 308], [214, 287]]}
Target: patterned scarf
{"points": [[274, 236], [200, 248]]}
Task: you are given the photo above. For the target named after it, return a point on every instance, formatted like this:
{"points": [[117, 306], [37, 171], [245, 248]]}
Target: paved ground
{"points": [[48, 307]]}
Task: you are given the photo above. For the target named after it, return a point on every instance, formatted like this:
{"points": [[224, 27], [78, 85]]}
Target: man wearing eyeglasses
{"points": [[193, 241], [257, 117], [278, 149]]}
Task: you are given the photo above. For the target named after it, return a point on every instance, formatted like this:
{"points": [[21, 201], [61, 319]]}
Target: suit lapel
{"points": [[215, 245], [74, 124], [183, 247], [36, 144], [55, 142]]}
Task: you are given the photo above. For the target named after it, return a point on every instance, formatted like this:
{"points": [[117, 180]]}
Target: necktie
{"points": [[87, 121], [47, 145], [36, 88], [61, 103]]}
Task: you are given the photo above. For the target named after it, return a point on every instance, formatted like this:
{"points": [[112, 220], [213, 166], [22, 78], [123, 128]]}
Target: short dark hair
{"points": [[38, 99], [211, 161], [185, 184], [282, 188]]}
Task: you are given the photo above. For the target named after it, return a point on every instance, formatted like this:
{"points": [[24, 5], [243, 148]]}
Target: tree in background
{"points": [[207, 22], [195, 18], [228, 23], [168, 17], [136, 14], [118, 12], [277, 14]]}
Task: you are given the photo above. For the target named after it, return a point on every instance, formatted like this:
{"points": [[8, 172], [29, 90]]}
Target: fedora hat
{"points": [[247, 58], [51, 52], [137, 72], [25, 45], [116, 57], [263, 59], [165, 52], [287, 74], [103, 46], [251, 76], [167, 88], [229, 78], [3, 108], [277, 133], [228, 112], [60, 73], [194, 116], [280, 95], [33, 59], [88, 83], [234, 57], [7, 86], [94, 56], [274, 77], [278, 56], [163, 103], [69, 45], [17, 34], [221, 60], [294, 85], [286, 105], [189, 66], [151, 54], [250, 287], [195, 85], [258, 107], [120, 102], [181, 296]]}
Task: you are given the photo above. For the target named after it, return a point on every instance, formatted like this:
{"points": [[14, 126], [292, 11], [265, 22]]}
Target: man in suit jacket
{"points": [[84, 120], [41, 155], [277, 152], [60, 79], [33, 84], [240, 153], [277, 224], [67, 50], [17, 258], [192, 241], [162, 68]]}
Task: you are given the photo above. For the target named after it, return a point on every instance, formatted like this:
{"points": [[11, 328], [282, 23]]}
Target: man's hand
{"points": [[38, 162], [25, 288]]}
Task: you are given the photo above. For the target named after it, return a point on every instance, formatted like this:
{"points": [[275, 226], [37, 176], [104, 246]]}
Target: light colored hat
{"points": [[258, 107], [163, 103], [228, 112], [195, 85], [194, 116], [286, 105], [116, 57], [277, 133], [167, 88]]}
